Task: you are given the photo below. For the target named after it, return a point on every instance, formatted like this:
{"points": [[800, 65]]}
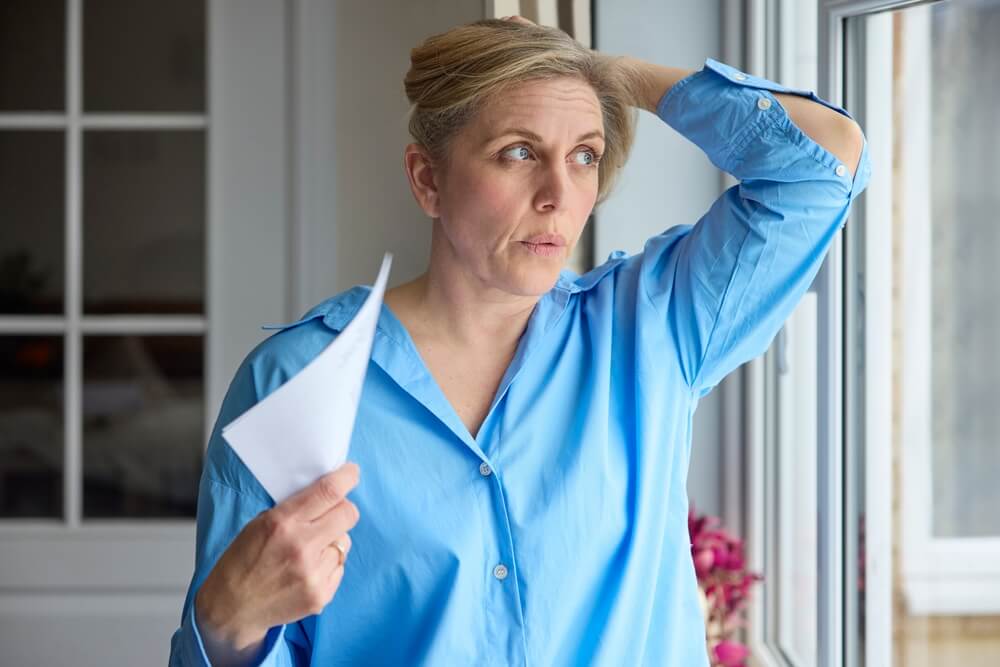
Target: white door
{"points": [[143, 240]]}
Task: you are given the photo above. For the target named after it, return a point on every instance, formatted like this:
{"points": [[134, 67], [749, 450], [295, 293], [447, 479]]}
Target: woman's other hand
{"points": [[283, 566], [518, 19]]}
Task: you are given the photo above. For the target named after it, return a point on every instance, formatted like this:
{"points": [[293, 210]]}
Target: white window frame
{"points": [[940, 576], [822, 306], [246, 125], [838, 487]]}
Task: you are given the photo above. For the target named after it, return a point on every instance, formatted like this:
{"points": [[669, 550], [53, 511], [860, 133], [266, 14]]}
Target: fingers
{"points": [[332, 563], [334, 553], [316, 499], [518, 19], [337, 521], [334, 571]]}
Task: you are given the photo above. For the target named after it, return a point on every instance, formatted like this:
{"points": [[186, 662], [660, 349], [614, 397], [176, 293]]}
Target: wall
{"points": [[667, 180], [356, 202]]}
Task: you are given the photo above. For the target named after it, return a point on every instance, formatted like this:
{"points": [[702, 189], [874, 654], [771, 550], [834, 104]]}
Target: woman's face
{"points": [[524, 167]]}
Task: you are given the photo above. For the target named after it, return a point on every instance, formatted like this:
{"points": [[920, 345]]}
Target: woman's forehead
{"points": [[532, 107]]}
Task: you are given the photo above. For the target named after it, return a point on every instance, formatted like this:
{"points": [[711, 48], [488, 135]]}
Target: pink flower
{"points": [[725, 583], [730, 653], [703, 561]]}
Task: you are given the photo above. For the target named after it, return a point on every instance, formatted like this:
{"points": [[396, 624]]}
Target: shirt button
{"points": [[763, 104], [484, 470], [500, 572], [840, 170], [740, 76]]}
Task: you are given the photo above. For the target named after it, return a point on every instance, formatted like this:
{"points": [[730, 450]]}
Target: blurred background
{"points": [[175, 174]]}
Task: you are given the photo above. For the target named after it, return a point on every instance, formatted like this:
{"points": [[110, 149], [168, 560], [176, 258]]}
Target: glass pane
{"points": [[31, 426], [965, 244], [32, 55], [32, 178], [144, 55], [144, 221], [926, 83], [143, 425], [795, 586]]}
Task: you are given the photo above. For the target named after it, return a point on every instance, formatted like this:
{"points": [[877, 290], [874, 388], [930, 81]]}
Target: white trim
{"points": [[82, 604], [734, 458], [106, 324], [795, 476], [35, 121], [878, 354], [957, 576], [760, 499], [150, 325], [73, 298], [109, 121], [104, 121], [39, 557], [31, 324], [313, 160]]}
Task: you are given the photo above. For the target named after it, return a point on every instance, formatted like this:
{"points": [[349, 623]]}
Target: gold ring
{"points": [[342, 550]]}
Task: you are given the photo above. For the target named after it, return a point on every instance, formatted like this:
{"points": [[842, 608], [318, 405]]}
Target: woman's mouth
{"points": [[545, 245]]}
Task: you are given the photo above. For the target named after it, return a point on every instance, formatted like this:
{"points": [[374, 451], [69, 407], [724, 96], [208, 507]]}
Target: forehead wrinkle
{"points": [[507, 110]]}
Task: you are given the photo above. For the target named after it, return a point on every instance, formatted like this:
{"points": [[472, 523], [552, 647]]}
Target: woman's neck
{"points": [[452, 311]]}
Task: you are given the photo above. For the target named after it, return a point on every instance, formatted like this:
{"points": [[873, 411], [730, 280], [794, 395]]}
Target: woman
{"points": [[525, 431]]}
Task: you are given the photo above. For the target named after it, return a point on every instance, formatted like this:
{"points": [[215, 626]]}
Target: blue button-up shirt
{"points": [[558, 534]]}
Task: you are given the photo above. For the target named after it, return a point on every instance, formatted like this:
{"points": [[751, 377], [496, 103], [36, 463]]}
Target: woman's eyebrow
{"points": [[528, 134]]}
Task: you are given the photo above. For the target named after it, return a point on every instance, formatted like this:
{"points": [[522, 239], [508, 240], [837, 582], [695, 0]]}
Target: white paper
{"points": [[302, 430]]}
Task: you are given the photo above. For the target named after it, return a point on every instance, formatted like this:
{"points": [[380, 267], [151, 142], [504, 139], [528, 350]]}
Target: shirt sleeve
{"points": [[228, 498], [726, 284]]}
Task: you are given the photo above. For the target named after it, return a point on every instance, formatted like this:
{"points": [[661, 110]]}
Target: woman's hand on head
{"points": [[518, 19], [281, 567]]}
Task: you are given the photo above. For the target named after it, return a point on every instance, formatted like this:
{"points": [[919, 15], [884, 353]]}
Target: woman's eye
{"points": [[521, 152], [593, 157]]}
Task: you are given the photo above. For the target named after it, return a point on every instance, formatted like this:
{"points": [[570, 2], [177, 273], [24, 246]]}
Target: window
{"points": [[931, 235], [793, 465], [102, 253], [874, 428]]}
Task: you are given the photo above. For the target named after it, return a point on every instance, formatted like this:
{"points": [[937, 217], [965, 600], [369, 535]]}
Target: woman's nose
{"points": [[552, 187]]}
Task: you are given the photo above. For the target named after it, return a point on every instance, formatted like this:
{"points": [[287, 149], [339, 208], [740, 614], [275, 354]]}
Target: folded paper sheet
{"points": [[302, 430]]}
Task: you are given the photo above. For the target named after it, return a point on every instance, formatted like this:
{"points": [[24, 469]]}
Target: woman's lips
{"points": [[545, 245]]}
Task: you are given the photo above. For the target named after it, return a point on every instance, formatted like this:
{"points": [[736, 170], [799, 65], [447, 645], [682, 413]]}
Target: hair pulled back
{"points": [[454, 74]]}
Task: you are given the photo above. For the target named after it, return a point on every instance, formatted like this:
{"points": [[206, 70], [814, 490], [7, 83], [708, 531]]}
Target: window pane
{"points": [[143, 425], [31, 234], [925, 78], [144, 222], [31, 426], [144, 55], [32, 55], [965, 245]]}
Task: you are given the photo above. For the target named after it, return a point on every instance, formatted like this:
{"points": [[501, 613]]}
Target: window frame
{"points": [[939, 575], [842, 397], [248, 279]]}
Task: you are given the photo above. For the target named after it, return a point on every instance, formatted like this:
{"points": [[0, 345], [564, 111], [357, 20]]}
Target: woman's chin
{"points": [[536, 282]]}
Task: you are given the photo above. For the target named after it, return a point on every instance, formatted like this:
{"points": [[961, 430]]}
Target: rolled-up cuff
{"points": [[191, 648]]}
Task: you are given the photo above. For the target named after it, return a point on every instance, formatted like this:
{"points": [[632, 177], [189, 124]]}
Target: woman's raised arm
{"points": [[724, 286]]}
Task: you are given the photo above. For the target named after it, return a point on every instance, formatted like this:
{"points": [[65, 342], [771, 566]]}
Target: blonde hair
{"points": [[453, 74]]}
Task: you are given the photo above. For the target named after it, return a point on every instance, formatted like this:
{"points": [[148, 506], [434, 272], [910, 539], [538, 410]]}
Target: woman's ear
{"points": [[424, 181]]}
